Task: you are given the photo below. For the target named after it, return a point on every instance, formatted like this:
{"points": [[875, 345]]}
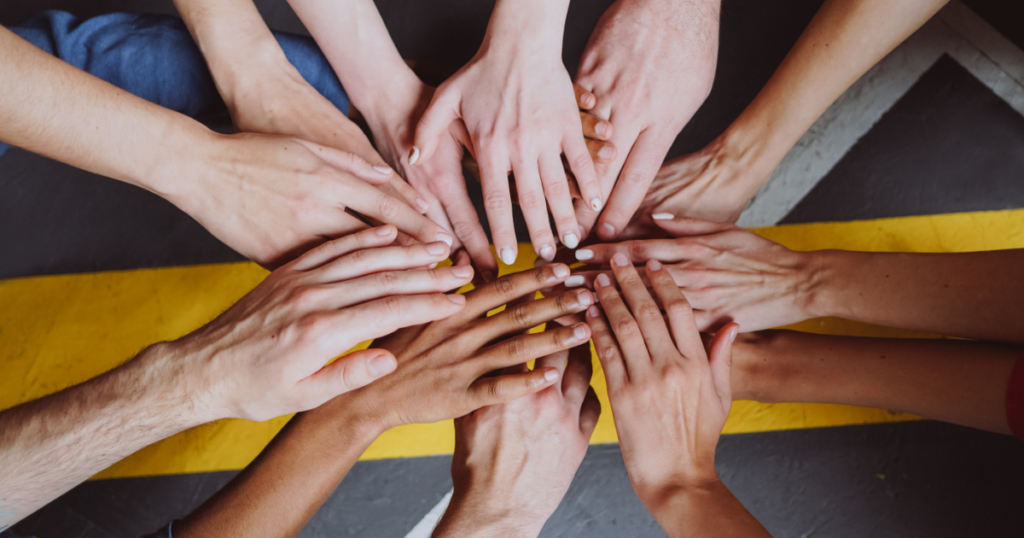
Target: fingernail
{"points": [[547, 252], [663, 216], [435, 249], [580, 331], [588, 99], [443, 236], [551, 375], [608, 229], [540, 262], [596, 204], [414, 155], [561, 271], [575, 280], [601, 127], [382, 169], [384, 230], [462, 271], [380, 365], [593, 311], [602, 281], [606, 152], [457, 298], [585, 298], [422, 204], [735, 332], [620, 260], [584, 254], [654, 265], [571, 240], [508, 256]]}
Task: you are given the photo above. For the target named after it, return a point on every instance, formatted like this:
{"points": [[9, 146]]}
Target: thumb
{"points": [[442, 111], [720, 359], [684, 226], [350, 372], [350, 162]]}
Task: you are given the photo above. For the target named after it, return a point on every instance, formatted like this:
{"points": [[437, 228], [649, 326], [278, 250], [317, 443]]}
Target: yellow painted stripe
{"points": [[56, 331]]}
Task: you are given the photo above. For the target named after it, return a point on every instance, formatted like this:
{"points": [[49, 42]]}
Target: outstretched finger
{"points": [[375, 204], [688, 226], [523, 316], [638, 173], [378, 260], [720, 358], [595, 127], [505, 388], [582, 166], [331, 250], [442, 111], [487, 297], [348, 373], [677, 309], [584, 99], [351, 163], [590, 411], [367, 288], [577, 374], [527, 347], [613, 363], [645, 310], [641, 250]]}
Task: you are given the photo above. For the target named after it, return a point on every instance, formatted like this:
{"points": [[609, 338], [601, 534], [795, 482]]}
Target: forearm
{"points": [[970, 295], [470, 514], [53, 109], [236, 43], [279, 492], [707, 509], [953, 381], [844, 39], [353, 37], [49, 445]]}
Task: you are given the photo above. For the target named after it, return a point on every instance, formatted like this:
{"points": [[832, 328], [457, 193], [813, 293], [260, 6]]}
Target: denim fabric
{"points": [[154, 57]]}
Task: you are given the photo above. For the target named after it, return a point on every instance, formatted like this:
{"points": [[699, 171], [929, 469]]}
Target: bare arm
{"points": [[293, 476], [844, 39], [953, 381]]}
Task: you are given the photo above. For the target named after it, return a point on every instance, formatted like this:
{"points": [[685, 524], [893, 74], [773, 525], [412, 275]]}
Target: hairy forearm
{"points": [[970, 295], [844, 39], [53, 109], [277, 494], [49, 445], [707, 509], [953, 381]]}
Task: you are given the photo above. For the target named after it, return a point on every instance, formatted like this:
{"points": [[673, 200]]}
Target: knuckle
{"points": [[637, 250], [359, 258], [303, 298], [626, 327], [464, 229], [520, 315], [607, 351], [516, 348], [531, 199], [638, 176], [679, 307], [388, 281], [556, 188], [495, 201], [581, 162], [388, 207], [505, 287], [649, 311]]}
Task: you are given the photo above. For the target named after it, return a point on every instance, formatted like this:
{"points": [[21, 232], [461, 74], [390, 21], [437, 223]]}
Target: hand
{"points": [[727, 273], [516, 101], [443, 366], [514, 462], [265, 356], [667, 55], [271, 198], [670, 398], [715, 183]]}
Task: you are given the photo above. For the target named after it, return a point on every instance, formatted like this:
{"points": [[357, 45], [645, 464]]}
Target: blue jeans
{"points": [[154, 57]]}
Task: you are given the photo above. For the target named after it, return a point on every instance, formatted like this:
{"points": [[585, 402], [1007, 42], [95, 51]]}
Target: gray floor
{"points": [[948, 145]]}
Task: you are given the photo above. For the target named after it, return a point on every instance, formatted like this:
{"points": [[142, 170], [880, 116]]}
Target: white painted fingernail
{"points": [[580, 331], [547, 252], [551, 375], [575, 280], [443, 236], [596, 204], [584, 254], [383, 169], [561, 271], [508, 256], [570, 240], [422, 204], [663, 216], [414, 155]]}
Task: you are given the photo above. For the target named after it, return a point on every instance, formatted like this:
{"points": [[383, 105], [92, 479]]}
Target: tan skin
{"points": [[670, 398], [441, 373]]}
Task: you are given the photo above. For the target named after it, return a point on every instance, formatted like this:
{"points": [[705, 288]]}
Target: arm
{"points": [[293, 476], [651, 63], [670, 399], [269, 198], [953, 381], [514, 462], [264, 357], [731, 274], [843, 41]]}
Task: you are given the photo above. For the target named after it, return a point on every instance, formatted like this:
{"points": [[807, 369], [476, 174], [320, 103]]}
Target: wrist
{"points": [[186, 153], [395, 109], [748, 148], [168, 387], [821, 274], [666, 496], [521, 25], [469, 515]]}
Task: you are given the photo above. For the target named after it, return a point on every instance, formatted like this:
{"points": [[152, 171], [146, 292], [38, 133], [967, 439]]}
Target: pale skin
{"points": [[515, 99], [651, 63], [264, 357], [844, 39], [278, 493], [731, 274], [358, 46], [651, 364], [268, 197], [514, 462]]}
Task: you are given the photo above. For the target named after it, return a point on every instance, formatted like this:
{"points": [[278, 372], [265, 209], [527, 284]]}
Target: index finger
{"points": [[642, 164], [509, 287], [678, 310], [375, 204]]}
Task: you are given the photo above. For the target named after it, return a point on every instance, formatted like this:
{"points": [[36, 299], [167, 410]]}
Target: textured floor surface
{"points": [[940, 169]]}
